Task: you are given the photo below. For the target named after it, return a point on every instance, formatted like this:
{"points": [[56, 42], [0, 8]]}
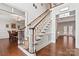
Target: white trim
{"points": [[43, 45], [53, 41], [3, 38], [25, 51], [28, 53]]}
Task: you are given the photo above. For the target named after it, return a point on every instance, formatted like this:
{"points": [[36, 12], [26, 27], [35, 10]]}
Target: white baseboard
{"points": [[3, 38], [28, 53], [25, 51], [43, 45], [53, 41]]}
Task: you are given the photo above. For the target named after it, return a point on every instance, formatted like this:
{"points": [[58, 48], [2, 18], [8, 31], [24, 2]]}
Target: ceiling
{"points": [[24, 6], [8, 16], [20, 6], [5, 15]]}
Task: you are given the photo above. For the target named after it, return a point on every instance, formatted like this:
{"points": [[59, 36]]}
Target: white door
{"points": [[65, 30], [70, 30], [65, 37], [70, 39]]}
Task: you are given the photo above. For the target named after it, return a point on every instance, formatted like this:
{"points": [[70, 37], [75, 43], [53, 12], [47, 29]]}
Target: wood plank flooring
{"points": [[9, 48], [59, 49], [54, 49]]}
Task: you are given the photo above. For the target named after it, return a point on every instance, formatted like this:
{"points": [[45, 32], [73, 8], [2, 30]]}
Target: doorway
{"points": [[65, 33]]}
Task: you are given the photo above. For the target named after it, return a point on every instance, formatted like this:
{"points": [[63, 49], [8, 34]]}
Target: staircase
{"points": [[40, 28]]}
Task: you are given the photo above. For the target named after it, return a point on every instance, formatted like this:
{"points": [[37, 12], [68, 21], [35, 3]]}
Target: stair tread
{"points": [[38, 39]]}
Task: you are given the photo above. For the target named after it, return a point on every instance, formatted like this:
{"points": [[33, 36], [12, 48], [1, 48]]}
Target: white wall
{"points": [[71, 6], [3, 30], [34, 13]]}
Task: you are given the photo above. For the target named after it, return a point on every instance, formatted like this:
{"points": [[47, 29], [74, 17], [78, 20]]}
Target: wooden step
{"points": [[46, 29], [43, 31], [40, 34], [38, 38]]}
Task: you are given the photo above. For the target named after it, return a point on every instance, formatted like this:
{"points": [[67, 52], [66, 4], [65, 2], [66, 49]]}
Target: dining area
{"points": [[13, 36]]}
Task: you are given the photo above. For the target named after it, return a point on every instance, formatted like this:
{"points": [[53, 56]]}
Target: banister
{"points": [[40, 21], [46, 15], [37, 17], [42, 14], [34, 29], [22, 28]]}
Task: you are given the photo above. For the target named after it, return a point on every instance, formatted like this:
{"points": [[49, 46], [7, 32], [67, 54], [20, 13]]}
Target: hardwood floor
{"points": [[9, 48], [59, 49]]}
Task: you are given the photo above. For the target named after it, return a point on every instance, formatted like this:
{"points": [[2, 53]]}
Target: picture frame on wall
{"points": [[33, 4], [13, 25], [7, 25]]}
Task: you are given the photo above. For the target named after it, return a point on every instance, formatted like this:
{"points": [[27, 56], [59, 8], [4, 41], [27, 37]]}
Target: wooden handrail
{"points": [[40, 16], [46, 15], [22, 28], [40, 20], [37, 17]]}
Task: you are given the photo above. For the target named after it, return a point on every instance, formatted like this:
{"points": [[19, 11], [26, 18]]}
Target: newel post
{"points": [[31, 41]]}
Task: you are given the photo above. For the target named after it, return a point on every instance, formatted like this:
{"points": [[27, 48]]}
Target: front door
{"points": [[66, 34]]}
